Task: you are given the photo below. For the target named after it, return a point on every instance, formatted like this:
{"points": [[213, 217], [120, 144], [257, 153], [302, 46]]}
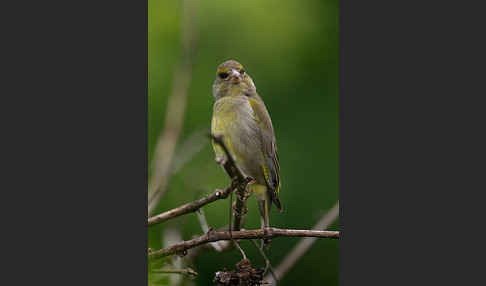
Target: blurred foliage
{"points": [[290, 49]]}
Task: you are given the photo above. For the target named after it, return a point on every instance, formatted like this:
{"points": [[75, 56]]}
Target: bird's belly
{"points": [[240, 134]]}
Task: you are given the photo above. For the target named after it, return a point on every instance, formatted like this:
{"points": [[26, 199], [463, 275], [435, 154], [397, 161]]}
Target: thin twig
{"points": [[205, 228], [186, 271], [268, 266], [230, 214], [229, 227], [176, 105], [303, 246], [239, 247], [170, 236], [190, 207], [270, 232]]}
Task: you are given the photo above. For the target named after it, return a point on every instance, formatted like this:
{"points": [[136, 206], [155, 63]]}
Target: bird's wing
{"points": [[270, 168]]}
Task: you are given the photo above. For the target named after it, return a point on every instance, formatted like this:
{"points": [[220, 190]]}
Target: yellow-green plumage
{"points": [[240, 116]]}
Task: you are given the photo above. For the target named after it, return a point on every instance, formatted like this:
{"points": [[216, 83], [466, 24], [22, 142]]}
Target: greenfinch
{"points": [[241, 118]]}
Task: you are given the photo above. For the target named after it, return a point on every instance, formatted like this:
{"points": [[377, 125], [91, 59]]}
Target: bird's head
{"points": [[232, 80]]}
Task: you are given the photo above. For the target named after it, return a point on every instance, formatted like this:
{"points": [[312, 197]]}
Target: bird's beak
{"points": [[235, 76]]}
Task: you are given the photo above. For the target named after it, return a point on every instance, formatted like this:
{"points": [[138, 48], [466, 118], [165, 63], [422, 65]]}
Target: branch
{"points": [[190, 207], [270, 232], [187, 271], [205, 228], [196, 251], [303, 246]]}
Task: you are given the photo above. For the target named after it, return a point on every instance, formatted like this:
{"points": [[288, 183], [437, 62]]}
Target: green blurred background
{"points": [[290, 49]]}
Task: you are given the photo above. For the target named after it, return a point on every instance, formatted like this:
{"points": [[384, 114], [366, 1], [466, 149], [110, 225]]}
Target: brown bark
{"points": [[182, 247]]}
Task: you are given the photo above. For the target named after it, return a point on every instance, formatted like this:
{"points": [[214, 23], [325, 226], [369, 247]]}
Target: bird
{"points": [[242, 120]]}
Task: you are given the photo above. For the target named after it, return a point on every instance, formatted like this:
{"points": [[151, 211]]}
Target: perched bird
{"points": [[240, 116]]}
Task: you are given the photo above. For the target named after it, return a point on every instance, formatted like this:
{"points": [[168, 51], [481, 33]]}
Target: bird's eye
{"points": [[242, 71], [223, 75]]}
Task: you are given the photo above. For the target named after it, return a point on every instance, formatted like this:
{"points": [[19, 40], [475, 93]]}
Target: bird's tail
{"points": [[264, 204]]}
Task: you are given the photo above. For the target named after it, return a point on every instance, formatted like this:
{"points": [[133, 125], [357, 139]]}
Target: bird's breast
{"points": [[234, 115]]}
